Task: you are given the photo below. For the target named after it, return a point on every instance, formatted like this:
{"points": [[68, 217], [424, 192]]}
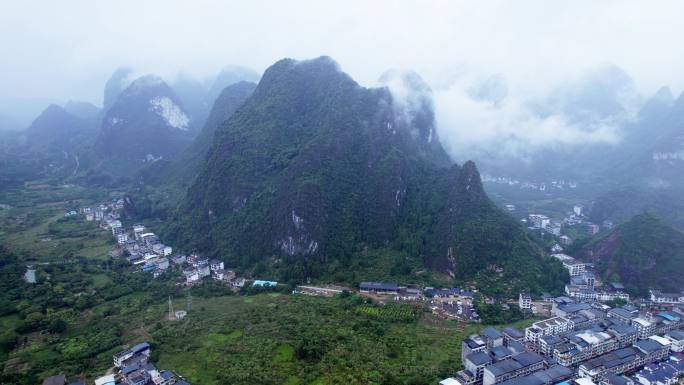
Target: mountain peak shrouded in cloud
{"points": [[199, 97], [231, 74], [600, 94], [664, 95], [83, 110], [413, 103], [493, 90], [119, 81]]}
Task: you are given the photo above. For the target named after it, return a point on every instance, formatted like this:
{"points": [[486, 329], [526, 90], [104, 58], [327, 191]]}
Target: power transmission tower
{"points": [[189, 302], [171, 315]]}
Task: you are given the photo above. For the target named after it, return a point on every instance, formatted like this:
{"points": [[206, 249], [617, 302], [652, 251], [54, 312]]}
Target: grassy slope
{"points": [[260, 339], [34, 217]]}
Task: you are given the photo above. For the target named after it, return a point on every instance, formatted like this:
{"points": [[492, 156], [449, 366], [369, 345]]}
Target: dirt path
{"points": [[78, 164]]}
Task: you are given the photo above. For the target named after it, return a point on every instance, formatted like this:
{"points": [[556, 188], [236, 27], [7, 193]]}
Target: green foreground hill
{"points": [[643, 253], [314, 172]]}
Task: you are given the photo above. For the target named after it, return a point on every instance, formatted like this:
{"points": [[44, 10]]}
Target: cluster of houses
{"points": [[584, 286], [144, 250], [584, 283], [131, 367], [658, 297], [582, 344], [196, 268], [102, 212], [134, 368], [448, 302], [559, 184], [558, 227]]}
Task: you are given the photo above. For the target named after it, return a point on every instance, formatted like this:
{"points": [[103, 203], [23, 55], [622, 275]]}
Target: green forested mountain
{"points": [[316, 170], [643, 253], [230, 99]]}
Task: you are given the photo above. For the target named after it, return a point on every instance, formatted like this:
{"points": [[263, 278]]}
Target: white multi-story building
{"points": [[605, 296], [574, 266], [644, 327], [549, 327], [138, 230], [577, 209], [516, 366], [676, 339], [540, 221], [122, 238], [525, 301], [191, 276], [584, 345], [668, 298]]}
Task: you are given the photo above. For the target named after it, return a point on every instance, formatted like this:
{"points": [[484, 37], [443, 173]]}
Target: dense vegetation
{"points": [[277, 339], [319, 172], [643, 253], [63, 323], [621, 204]]}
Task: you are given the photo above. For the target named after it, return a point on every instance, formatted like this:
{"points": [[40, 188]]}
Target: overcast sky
{"points": [[67, 49]]}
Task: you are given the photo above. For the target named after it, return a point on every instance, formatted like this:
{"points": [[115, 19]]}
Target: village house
{"points": [[192, 276], [142, 349], [178, 259], [215, 264], [525, 302], [644, 327], [204, 271], [224, 275], [122, 238], [379, 288], [573, 266], [548, 327], [516, 366], [657, 296], [138, 230]]}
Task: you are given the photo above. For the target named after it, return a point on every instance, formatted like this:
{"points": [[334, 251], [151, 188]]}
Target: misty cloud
{"points": [[478, 116], [503, 74]]}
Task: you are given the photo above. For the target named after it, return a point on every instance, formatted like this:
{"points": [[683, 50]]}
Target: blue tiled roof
{"points": [[490, 332], [479, 358], [378, 286], [500, 352], [140, 347]]}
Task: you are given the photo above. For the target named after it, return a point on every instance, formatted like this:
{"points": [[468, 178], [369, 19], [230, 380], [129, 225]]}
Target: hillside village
{"points": [[145, 252], [581, 344], [582, 341]]}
